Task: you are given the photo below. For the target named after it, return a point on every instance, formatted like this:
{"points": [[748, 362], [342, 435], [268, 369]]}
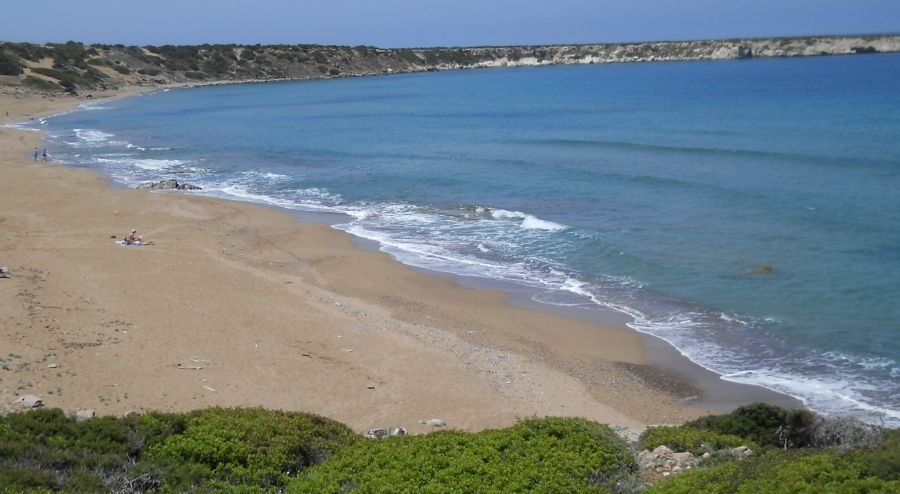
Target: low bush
{"points": [[552, 455], [42, 84], [251, 446], [779, 473], [122, 69], [696, 441], [261, 451], [9, 64], [807, 470], [56, 74], [764, 424], [882, 461], [826, 472], [213, 450], [27, 51], [845, 433], [69, 79]]}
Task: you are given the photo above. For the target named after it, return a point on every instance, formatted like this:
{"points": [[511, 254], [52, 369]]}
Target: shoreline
{"points": [[716, 392], [499, 357]]}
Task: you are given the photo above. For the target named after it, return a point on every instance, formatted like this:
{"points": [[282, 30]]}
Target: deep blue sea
{"points": [[663, 190]]}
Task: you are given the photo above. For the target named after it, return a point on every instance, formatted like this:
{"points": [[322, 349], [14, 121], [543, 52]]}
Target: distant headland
{"points": [[77, 67]]}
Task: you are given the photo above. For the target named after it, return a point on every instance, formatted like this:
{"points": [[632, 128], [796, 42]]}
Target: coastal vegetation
{"points": [[262, 451], [74, 66]]}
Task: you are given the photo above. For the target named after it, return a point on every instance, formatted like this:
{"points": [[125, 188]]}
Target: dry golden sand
{"points": [[274, 313]]}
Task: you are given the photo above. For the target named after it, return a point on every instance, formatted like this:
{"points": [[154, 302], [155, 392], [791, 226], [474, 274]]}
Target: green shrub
{"points": [[882, 462], [252, 447], [27, 51], [807, 470], [552, 455], [817, 473], [195, 75], [9, 64], [764, 424], [719, 479], [69, 79], [149, 71], [122, 69], [681, 439], [211, 450], [46, 441], [42, 84], [56, 74], [70, 54]]}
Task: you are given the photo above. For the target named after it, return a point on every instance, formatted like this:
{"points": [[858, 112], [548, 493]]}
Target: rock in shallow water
{"points": [[170, 184]]}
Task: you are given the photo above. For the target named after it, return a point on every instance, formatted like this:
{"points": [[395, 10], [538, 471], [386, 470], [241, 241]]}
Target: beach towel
{"points": [[123, 244]]}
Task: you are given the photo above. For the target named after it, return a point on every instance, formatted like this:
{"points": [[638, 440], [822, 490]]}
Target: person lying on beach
{"points": [[133, 238]]}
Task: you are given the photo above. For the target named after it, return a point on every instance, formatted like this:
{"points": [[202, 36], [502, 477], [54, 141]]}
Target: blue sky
{"points": [[409, 23]]}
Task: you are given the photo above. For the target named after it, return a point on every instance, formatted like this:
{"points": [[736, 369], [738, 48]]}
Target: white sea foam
{"points": [[502, 214], [535, 223], [90, 106], [725, 317], [146, 164], [274, 177], [318, 195], [529, 222], [20, 126], [425, 254], [823, 393], [151, 164], [92, 135], [244, 193], [868, 363]]}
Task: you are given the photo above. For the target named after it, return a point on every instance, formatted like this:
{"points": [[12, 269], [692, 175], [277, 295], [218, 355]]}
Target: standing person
{"points": [[45, 154], [35, 153]]}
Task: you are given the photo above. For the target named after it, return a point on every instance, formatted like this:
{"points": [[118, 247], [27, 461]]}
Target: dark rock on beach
{"points": [[170, 184]]}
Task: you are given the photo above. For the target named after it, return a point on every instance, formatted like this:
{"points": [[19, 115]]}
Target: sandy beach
{"points": [[242, 305]]}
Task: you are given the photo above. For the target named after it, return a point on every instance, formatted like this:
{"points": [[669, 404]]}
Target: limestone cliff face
{"points": [[77, 67], [683, 50]]}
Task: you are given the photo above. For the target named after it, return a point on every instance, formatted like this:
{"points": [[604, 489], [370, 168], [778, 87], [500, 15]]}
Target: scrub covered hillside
{"points": [[262, 451], [74, 66]]}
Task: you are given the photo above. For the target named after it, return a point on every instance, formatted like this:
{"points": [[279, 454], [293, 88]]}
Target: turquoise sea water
{"points": [[658, 189]]}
